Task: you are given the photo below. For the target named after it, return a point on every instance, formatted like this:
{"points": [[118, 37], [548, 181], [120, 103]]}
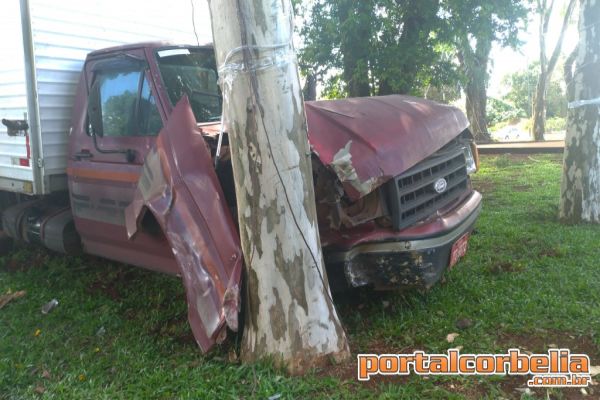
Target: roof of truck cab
{"points": [[142, 45]]}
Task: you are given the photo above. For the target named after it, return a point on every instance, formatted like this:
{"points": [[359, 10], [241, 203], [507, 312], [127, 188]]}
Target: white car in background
{"points": [[511, 133]]}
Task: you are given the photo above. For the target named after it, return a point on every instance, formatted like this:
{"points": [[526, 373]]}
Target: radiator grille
{"points": [[413, 195]]}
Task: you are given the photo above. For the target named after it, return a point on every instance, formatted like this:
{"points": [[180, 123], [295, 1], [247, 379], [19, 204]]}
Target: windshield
{"points": [[192, 71]]}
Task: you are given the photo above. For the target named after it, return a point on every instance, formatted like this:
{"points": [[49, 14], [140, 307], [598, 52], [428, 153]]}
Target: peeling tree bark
{"points": [[580, 189], [289, 313]]}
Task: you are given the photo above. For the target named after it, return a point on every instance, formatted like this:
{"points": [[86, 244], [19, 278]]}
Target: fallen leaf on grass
{"points": [[595, 370], [451, 337], [39, 389], [8, 297], [46, 374]]}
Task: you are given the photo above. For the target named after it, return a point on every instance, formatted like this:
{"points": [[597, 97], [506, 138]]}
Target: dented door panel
{"points": [[179, 187]]}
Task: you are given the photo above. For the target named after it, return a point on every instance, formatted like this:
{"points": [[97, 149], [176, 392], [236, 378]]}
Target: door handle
{"points": [[83, 154]]}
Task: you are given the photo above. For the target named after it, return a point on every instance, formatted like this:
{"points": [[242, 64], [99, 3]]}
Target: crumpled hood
{"points": [[368, 140]]}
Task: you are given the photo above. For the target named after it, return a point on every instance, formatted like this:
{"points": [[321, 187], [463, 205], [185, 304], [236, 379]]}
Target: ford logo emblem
{"points": [[440, 185]]}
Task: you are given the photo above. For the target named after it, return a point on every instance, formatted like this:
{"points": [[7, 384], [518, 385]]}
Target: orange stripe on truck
{"points": [[127, 177]]}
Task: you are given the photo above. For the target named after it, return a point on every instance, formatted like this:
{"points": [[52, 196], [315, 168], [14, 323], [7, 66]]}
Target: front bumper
{"points": [[417, 262]]}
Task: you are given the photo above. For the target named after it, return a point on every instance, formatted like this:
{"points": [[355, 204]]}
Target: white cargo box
{"points": [[43, 47]]}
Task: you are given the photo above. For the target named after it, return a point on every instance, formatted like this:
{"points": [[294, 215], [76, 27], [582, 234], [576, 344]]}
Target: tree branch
{"points": [[556, 52]]}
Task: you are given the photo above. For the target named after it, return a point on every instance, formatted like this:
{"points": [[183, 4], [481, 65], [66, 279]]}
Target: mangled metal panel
{"points": [[179, 187], [367, 141]]}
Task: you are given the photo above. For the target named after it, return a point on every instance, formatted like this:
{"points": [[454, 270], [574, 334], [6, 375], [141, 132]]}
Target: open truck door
{"points": [[152, 199]]}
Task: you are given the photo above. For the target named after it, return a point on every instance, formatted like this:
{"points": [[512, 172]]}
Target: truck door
{"points": [[107, 154]]}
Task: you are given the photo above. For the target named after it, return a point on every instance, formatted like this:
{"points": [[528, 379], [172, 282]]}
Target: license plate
{"points": [[459, 249]]}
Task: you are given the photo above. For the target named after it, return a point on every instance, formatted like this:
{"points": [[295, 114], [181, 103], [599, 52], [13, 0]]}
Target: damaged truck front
{"points": [[150, 182], [394, 197]]}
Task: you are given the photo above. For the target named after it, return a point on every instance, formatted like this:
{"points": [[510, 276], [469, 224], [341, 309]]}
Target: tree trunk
{"points": [[539, 108], [310, 87], [546, 66], [476, 97], [356, 19], [289, 315], [580, 188], [474, 65]]}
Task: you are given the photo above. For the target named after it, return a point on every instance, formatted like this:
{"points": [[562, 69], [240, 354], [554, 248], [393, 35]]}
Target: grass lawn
{"points": [[121, 333]]}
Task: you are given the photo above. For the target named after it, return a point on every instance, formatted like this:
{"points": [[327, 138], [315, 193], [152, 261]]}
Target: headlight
{"points": [[471, 157]]}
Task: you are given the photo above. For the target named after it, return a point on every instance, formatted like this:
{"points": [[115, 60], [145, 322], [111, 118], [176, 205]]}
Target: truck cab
{"points": [[150, 182]]}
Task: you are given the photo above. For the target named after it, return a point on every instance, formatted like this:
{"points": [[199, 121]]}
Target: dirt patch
{"points": [[539, 343], [547, 215], [104, 288], [523, 157], [109, 286], [484, 186], [503, 267], [513, 387], [521, 188], [24, 261], [552, 253], [176, 327], [348, 370]]}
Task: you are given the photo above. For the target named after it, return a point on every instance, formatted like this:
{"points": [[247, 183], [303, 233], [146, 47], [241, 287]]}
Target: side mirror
{"points": [[95, 111]]}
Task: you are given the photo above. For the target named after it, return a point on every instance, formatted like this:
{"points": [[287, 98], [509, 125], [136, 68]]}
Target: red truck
{"points": [[147, 187]]}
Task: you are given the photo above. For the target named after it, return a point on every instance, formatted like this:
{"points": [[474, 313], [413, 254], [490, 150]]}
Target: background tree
{"points": [[544, 10], [580, 188], [419, 47], [475, 26], [522, 87], [360, 48]]}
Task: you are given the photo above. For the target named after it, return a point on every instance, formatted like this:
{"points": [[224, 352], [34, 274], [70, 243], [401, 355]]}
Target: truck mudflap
{"points": [[179, 187]]}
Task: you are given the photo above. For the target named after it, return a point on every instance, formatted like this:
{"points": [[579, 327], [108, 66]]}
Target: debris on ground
{"points": [[10, 296], [49, 306], [464, 323], [451, 337]]}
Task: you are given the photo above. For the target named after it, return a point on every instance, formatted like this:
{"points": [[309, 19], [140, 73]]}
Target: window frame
{"points": [[166, 98], [94, 93]]}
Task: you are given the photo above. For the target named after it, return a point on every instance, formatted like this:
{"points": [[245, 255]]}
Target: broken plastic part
{"points": [[49, 306]]}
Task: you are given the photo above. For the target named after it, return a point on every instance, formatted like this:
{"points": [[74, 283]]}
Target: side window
{"points": [[118, 98], [121, 103], [149, 120]]}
